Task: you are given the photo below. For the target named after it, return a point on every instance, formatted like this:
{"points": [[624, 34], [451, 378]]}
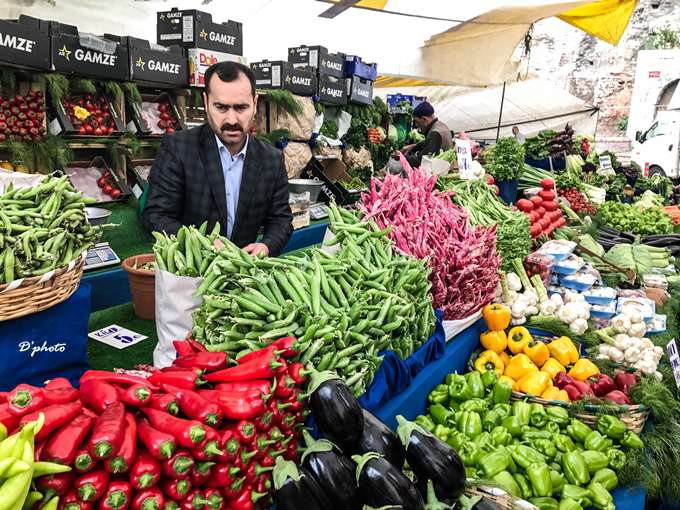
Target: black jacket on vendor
{"points": [[437, 136]]}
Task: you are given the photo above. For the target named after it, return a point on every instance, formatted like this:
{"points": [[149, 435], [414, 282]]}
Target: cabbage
{"points": [[628, 256], [382, 133], [392, 133], [416, 136], [590, 244]]}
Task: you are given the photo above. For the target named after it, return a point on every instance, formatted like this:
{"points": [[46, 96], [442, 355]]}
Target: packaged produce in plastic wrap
{"points": [[270, 117]]}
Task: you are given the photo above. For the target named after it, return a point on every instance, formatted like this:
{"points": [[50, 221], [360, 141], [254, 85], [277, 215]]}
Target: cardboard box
{"points": [[200, 60], [87, 182], [330, 169], [60, 123], [144, 117], [359, 91], [87, 54], [318, 57], [301, 81], [196, 29], [25, 43], [135, 120], [355, 67], [137, 177], [332, 90]]}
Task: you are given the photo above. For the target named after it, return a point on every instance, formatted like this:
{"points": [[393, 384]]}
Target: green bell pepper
{"points": [[439, 395], [555, 467], [470, 424], [558, 481], [511, 424], [501, 392], [474, 382], [441, 415], [459, 391], [551, 427], [489, 378], [544, 503], [617, 459], [508, 483], [512, 467], [456, 440], [580, 448], [442, 432], [474, 405], [577, 431], [563, 443], [500, 436], [558, 457], [632, 440], [490, 420], [471, 472], [538, 415], [524, 485], [595, 461], [493, 463], [546, 447], [485, 442], [536, 434], [525, 456], [504, 410], [539, 476], [470, 454], [575, 468], [595, 442], [607, 478], [601, 497], [569, 504], [426, 421], [578, 493], [515, 441], [522, 410], [609, 441], [558, 415], [611, 426]]}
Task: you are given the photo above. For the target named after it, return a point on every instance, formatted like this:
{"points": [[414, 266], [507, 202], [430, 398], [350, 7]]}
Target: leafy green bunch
{"points": [[505, 160]]}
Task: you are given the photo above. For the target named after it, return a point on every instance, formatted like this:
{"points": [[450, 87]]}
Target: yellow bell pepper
{"points": [[583, 369], [552, 366], [504, 357], [554, 393], [518, 337], [537, 351], [520, 366], [489, 360], [496, 317], [495, 341], [507, 380], [534, 383], [563, 350]]}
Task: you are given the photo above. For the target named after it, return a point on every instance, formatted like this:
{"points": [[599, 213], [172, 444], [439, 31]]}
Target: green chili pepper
{"points": [[441, 415], [489, 378], [501, 392], [459, 390], [594, 441], [536, 434], [558, 415], [607, 478], [577, 431], [426, 421], [522, 411], [474, 382], [617, 459], [504, 410], [524, 485], [490, 420], [611, 426], [575, 468]]}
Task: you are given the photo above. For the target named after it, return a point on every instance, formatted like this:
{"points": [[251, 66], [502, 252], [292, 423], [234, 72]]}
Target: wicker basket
{"points": [[30, 295], [504, 500]]}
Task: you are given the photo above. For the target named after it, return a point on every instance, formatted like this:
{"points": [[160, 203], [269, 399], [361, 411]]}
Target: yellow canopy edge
{"points": [[369, 4], [389, 81], [606, 20]]}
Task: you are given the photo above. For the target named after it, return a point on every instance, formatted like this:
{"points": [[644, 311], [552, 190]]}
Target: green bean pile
{"points": [[42, 228], [343, 308], [189, 253]]}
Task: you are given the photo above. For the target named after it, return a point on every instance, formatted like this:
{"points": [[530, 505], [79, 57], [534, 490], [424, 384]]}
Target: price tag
{"points": [[675, 360], [606, 165], [464, 159], [117, 337]]}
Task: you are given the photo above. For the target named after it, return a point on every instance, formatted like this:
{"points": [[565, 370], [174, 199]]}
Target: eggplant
{"points": [[430, 458], [379, 438], [296, 489], [334, 472], [382, 484], [336, 410]]}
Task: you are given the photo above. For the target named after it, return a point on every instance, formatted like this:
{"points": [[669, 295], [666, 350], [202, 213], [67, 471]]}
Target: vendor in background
{"points": [[437, 136], [220, 173], [463, 136], [518, 136]]}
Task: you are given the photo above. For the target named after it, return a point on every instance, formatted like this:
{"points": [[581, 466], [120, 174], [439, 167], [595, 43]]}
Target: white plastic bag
{"points": [[452, 328], [435, 166], [18, 180]]}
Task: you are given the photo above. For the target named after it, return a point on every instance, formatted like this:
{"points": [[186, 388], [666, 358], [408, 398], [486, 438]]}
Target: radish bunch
{"points": [[21, 117]]}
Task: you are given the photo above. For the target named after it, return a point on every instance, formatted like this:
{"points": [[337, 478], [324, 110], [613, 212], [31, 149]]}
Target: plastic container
{"points": [[655, 281], [641, 303], [601, 314], [569, 265], [558, 248], [599, 300], [576, 285], [540, 264], [658, 330]]}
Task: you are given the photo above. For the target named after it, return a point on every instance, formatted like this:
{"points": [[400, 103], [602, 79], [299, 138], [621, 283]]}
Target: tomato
{"points": [[110, 130], [108, 189], [101, 182], [105, 108], [115, 193], [97, 132], [82, 131], [489, 179], [162, 107], [106, 174], [161, 124], [165, 116], [88, 129], [169, 130], [100, 120]]}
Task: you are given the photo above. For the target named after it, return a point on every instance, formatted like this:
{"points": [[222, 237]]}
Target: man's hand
{"points": [[407, 148], [396, 155], [254, 248]]}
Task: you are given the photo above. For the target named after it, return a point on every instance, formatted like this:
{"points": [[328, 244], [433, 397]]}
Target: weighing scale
{"points": [[100, 255], [317, 211]]}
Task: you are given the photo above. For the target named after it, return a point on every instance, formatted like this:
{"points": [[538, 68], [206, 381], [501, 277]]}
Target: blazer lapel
{"points": [[213, 168], [249, 180]]}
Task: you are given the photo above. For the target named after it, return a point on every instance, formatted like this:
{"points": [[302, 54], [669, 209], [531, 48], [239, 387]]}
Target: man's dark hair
{"points": [[228, 72]]}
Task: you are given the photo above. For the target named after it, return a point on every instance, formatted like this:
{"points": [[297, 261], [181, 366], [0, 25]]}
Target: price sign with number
{"points": [[117, 337], [606, 165], [464, 154], [675, 360]]}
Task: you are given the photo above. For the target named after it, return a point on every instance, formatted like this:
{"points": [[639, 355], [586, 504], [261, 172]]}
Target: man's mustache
{"points": [[231, 127]]}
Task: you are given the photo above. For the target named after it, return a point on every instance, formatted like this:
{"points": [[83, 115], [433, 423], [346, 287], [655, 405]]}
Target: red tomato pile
{"points": [[168, 120], [577, 200], [543, 210], [21, 117], [108, 185], [99, 121]]}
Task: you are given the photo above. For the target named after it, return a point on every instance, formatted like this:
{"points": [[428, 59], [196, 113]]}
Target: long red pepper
{"points": [[56, 415], [197, 347], [175, 489], [55, 485], [189, 433], [235, 489], [201, 472], [283, 369], [26, 399], [58, 382], [108, 432], [195, 500], [64, 443], [160, 444], [215, 499], [285, 347], [91, 486], [195, 406], [8, 421], [138, 395], [118, 495], [187, 380], [210, 446], [38, 450], [3, 396], [99, 395], [173, 368], [119, 389], [87, 411], [246, 501], [145, 471], [167, 403], [236, 405], [229, 444], [112, 377], [262, 385], [178, 466], [260, 368], [84, 460], [125, 456], [148, 499], [298, 372], [182, 348], [207, 361], [71, 501]]}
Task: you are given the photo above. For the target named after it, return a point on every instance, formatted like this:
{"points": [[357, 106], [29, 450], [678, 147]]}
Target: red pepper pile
{"points": [[600, 386], [162, 442]]}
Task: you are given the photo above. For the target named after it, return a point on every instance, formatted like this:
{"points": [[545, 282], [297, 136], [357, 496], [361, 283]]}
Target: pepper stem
{"points": [[232, 446], [273, 364], [167, 449], [212, 449], [255, 496], [212, 419], [142, 393], [83, 462], [173, 408], [197, 434], [199, 501], [102, 450], [117, 465], [87, 492], [182, 465], [247, 455], [215, 501], [145, 480], [150, 504], [248, 430], [233, 471], [22, 399], [202, 466], [183, 486]]}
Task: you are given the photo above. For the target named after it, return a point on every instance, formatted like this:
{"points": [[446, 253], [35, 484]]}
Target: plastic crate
{"points": [[598, 300], [536, 263], [574, 285], [566, 271], [658, 331], [602, 315], [547, 248], [355, 67], [394, 99]]}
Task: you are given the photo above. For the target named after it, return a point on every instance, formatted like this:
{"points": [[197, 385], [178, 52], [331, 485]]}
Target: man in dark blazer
{"points": [[220, 173]]}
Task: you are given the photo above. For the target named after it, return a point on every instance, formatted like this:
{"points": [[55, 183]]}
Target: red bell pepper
{"points": [[222, 475], [122, 461], [625, 381], [185, 379], [171, 504], [264, 422], [145, 471], [61, 447], [215, 499], [247, 500], [99, 395], [84, 460], [122, 379], [601, 384], [108, 432], [201, 472], [175, 489], [562, 380], [178, 466], [284, 386], [91, 486], [298, 373], [189, 433], [277, 409], [206, 361], [259, 368], [148, 499], [195, 500], [56, 415], [8, 421], [26, 399], [261, 446], [244, 429], [196, 346], [55, 485], [229, 444], [182, 348], [160, 444], [292, 453], [118, 495], [288, 420], [577, 389], [254, 471], [195, 406], [234, 490], [236, 405], [138, 395], [242, 459], [71, 501], [618, 397], [167, 403], [262, 385], [58, 382], [210, 447]]}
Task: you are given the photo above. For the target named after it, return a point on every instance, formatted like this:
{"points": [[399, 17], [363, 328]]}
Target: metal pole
{"points": [[500, 115]]}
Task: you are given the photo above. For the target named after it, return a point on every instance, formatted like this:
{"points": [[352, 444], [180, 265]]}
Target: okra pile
{"points": [[42, 228], [342, 308]]}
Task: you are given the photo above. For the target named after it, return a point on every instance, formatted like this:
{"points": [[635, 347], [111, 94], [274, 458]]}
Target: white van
{"points": [[659, 144]]}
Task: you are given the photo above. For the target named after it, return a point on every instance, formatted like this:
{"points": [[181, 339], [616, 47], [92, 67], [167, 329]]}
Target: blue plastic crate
{"points": [[358, 68], [394, 99], [602, 315], [658, 331], [598, 300], [574, 285]]}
